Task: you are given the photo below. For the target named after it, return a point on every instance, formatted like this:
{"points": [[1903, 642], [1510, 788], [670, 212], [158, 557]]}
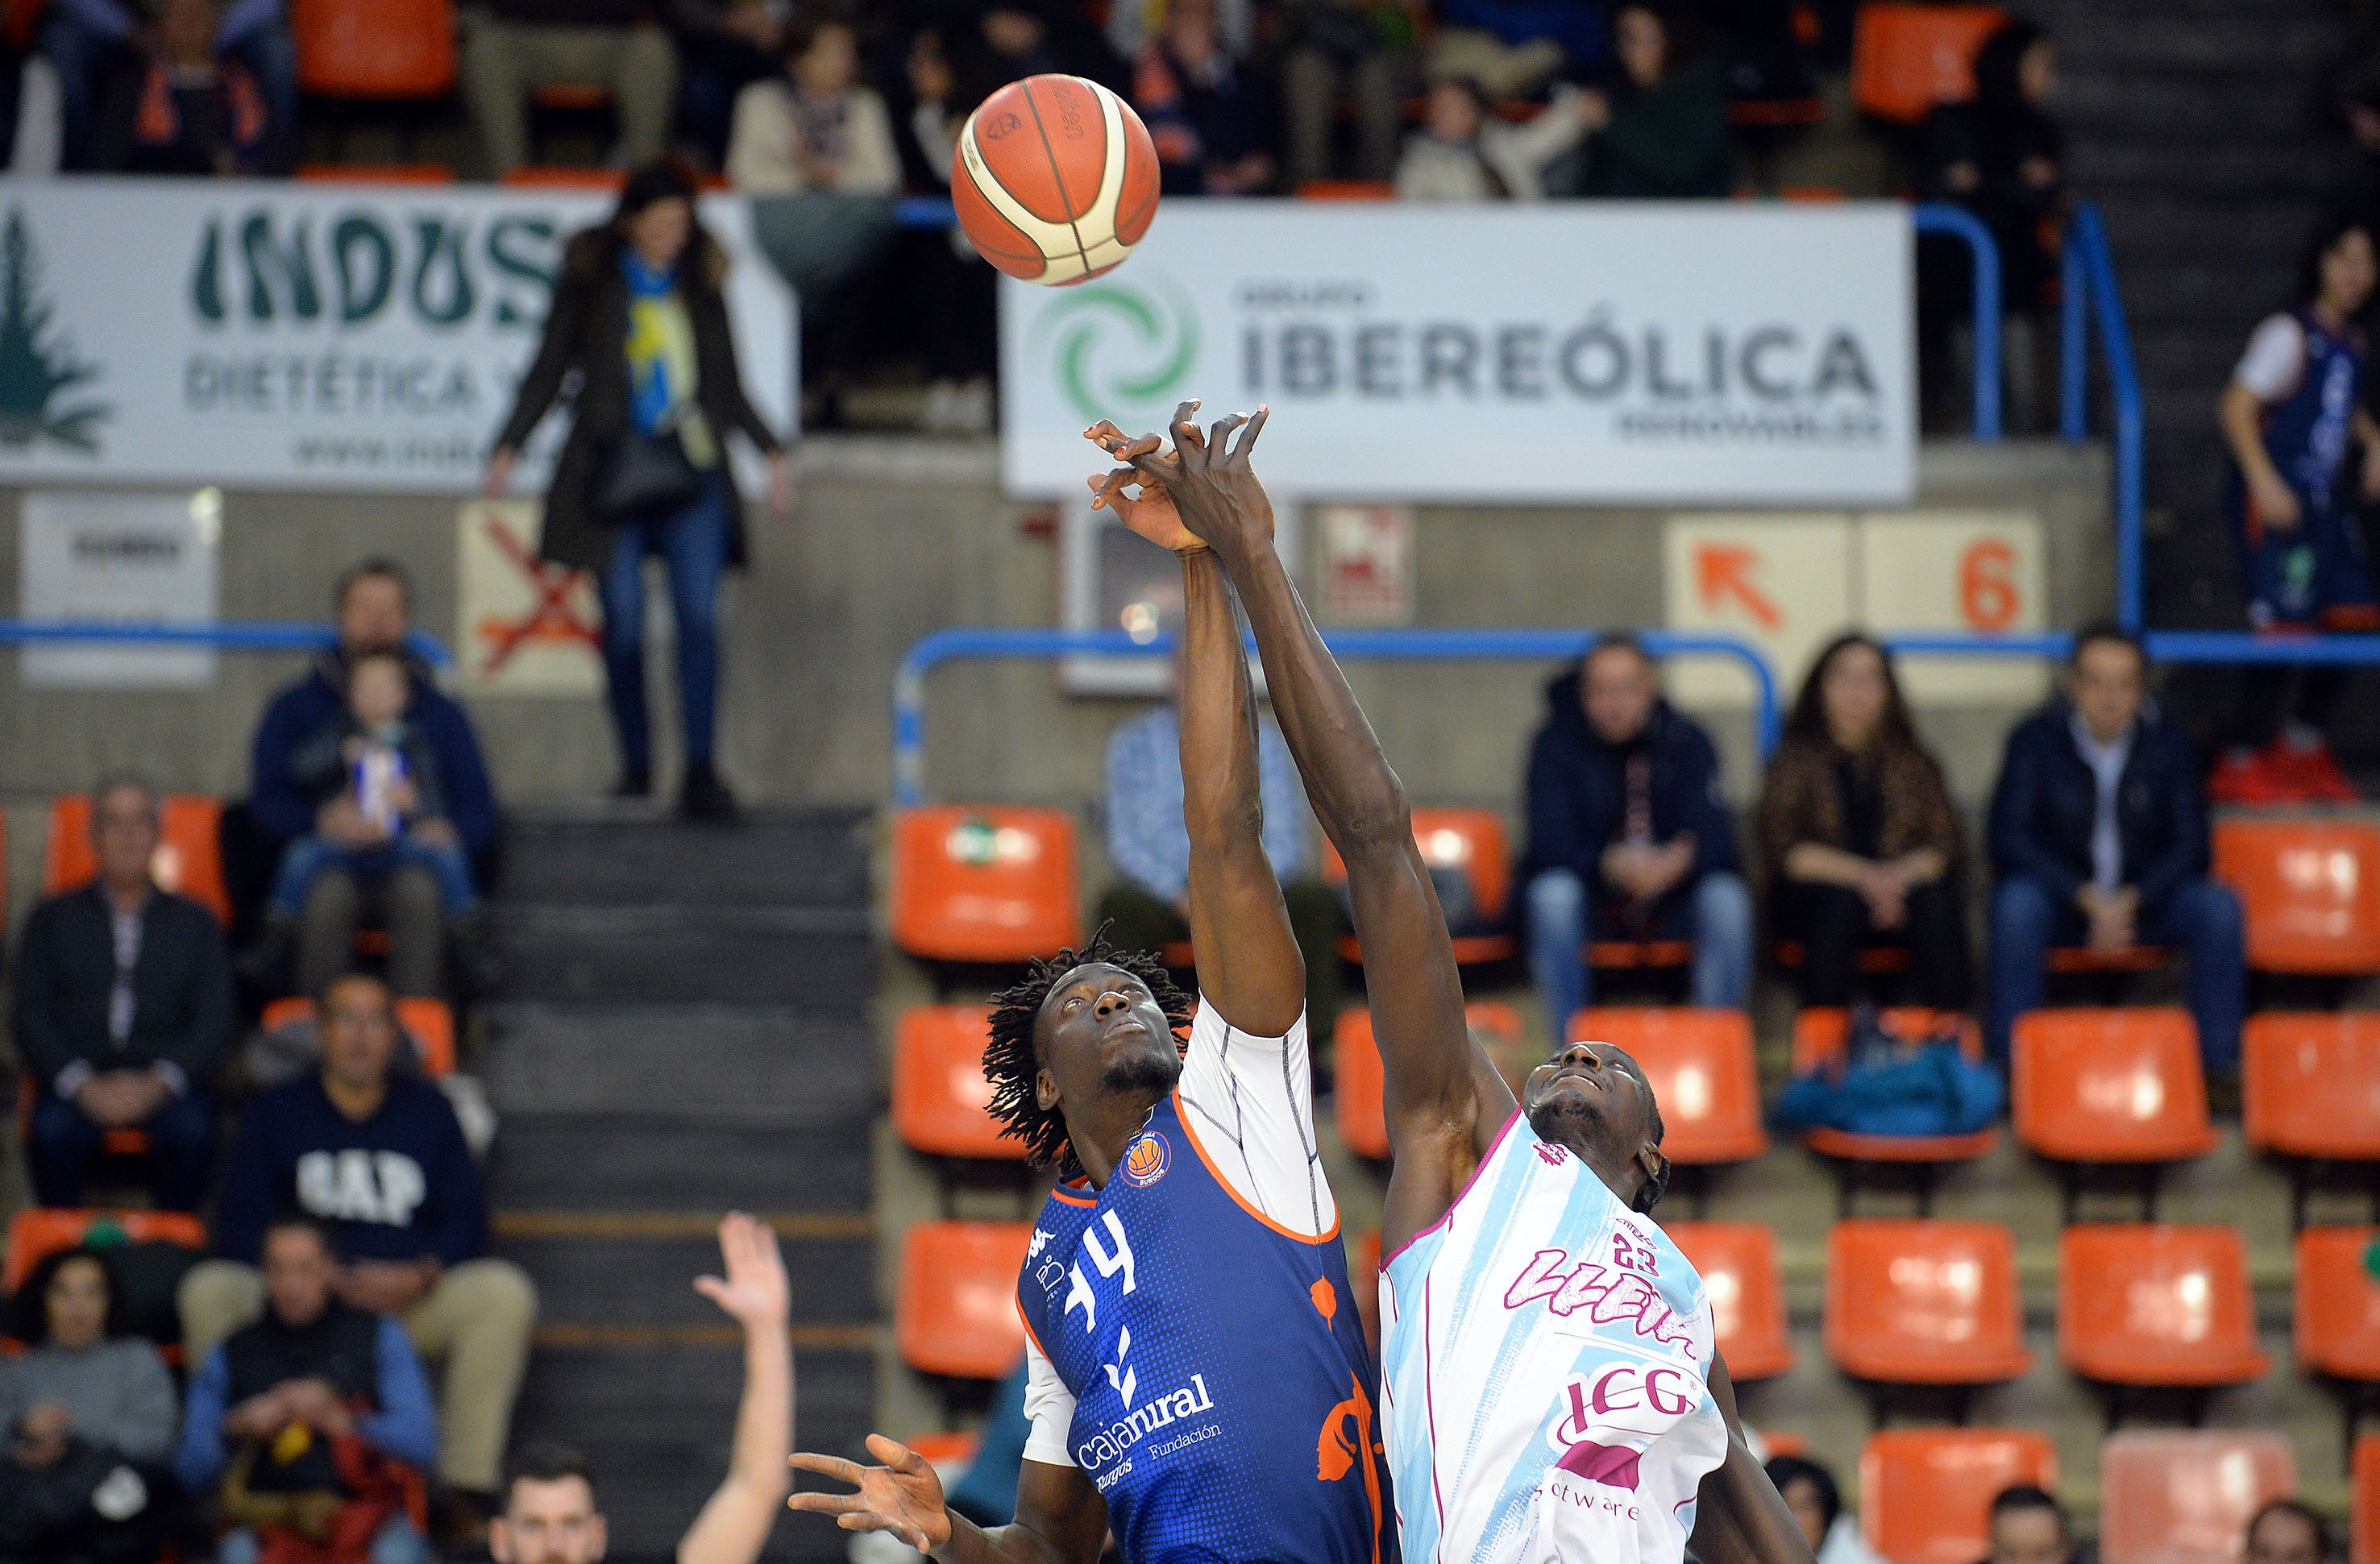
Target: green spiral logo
{"points": [[1120, 350]]}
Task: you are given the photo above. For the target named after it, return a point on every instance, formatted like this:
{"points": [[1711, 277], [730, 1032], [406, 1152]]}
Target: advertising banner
{"points": [[1632, 352], [301, 335], [141, 559]]}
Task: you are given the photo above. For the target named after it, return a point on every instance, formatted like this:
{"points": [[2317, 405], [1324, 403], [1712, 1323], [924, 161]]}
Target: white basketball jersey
{"points": [[1544, 1388]]}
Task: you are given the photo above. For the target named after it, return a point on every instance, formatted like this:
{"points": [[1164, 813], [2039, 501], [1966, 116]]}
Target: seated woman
{"points": [[1858, 835], [1660, 128], [88, 1419]]}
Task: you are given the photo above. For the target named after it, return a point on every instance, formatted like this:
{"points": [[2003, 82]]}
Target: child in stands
{"points": [[379, 762], [2292, 412]]}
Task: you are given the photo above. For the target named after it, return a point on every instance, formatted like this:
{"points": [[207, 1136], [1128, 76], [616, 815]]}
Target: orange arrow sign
{"points": [[1725, 570]]}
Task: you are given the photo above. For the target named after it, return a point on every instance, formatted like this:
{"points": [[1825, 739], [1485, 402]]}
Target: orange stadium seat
{"points": [[555, 177], [1818, 1036], [1347, 190], [376, 173], [2157, 1303], [984, 883], [2309, 1084], [573, 97], [2109, 1086], [2337, 1321], [38, 1231], [1357, 1095], [427, 1021], [1925, 1494], [1738, 1264], [1923, 1303], [957, 1312], [1700, 1062], [2363, 1546], [1906, 57], [375, 48], [1453, 837], [2082, 960], [2310, 890], [189, 857], [942, 1104], [2184, 1497]]}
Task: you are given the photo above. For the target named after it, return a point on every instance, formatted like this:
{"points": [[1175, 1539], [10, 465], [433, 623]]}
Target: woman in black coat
{"points": [[639, 315]]}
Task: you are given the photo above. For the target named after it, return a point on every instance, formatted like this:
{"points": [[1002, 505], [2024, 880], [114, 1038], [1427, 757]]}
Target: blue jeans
{"points": [[1562, 923], [395, 1543], [62, 1141], [310, 855], [2203, 917], [693, 544]]}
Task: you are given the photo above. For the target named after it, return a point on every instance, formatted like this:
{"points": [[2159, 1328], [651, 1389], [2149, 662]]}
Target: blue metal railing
{"points": [[2092, 298], [1940, 217], [1412, 646], [237, 636]]}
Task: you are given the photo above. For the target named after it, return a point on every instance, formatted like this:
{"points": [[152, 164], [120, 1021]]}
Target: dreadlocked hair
{"points": [[1009, 1061]]}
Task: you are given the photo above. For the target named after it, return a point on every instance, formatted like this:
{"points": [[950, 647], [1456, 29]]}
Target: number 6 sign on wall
{"points": [[1972, 571]]}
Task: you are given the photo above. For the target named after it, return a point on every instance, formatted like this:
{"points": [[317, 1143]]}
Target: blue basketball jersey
{"points": [[1223, 1390], [2307, 432]]}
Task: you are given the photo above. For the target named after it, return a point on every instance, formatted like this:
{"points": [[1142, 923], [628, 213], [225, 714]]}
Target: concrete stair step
{"points": [[649, 1281], [647, 1162], [777, 1065], [820, 960], [776, 857]]}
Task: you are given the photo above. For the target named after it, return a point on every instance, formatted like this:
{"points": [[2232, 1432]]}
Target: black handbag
{"points": [[648, 473]]}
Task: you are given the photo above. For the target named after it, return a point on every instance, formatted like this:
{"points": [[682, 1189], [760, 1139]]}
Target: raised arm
{"points": [[1249, 963], [735, 1521], [1444, 1099]]}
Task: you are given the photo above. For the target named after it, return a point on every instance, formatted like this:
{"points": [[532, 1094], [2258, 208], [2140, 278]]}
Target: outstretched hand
{"points": [[1135, 502], [1206, 478], [754, 1290], [904, 1496]]}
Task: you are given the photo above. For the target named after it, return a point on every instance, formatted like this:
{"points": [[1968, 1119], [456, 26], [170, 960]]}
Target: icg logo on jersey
{"points": [[1146, 1160]]}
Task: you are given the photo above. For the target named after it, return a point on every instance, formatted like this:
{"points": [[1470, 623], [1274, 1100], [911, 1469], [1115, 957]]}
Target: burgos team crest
{"points": [[1146, 1160]]}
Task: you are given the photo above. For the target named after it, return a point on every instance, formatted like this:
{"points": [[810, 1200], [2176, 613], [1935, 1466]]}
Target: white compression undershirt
{"points": [[1250, 1101]]}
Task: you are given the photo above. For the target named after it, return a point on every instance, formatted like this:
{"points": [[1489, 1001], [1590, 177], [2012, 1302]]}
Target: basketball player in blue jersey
{"points": [[1199, 1381], [1550, 1387]]}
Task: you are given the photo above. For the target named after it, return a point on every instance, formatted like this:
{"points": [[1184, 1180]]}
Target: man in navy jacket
{"points": [[2099, 837], [372, 610], [1629, 838], [378, 1157]]}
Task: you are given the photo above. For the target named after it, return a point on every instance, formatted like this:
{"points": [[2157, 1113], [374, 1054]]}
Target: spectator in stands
{"points": [[378, 1156], [1660, 130], [1810, 1492], [1628, 837], [1513, 47], [2291, 416], [2099, 837], [1464, 153], [513, 47], [2287, 1531], [1149, 846], [2002, 157], [723, 50], [396, 890], [312, 1425], [1859, 835], [381, 766], [1210, 113], [638, 316], [814, 147], [550, 1515], [187, 106], [1355, 51], [97, 44], [959, 290], [2027, 1526], [1132, 23], [124, 1007], [88, 1415]]}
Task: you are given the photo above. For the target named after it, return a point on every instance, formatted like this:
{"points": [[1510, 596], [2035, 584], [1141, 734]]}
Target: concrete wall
{"points": [[895, 538]]}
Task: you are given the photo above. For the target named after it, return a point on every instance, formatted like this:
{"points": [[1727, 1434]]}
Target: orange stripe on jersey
{"points": [[2351, 616], [1225, 1185], [1086, 1201]]}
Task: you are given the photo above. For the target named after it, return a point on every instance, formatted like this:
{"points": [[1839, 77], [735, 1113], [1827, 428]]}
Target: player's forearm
{"points": [[1741, 1519], [735, 1524], [2241, 417], [970, 1544], [1355, 794], [1222, 797]]}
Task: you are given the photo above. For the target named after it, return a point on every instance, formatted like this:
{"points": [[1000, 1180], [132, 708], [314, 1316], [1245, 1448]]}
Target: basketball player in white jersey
{"points": [[1550, 1386]]}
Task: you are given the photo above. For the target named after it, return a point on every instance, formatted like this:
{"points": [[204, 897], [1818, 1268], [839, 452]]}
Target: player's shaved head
{"points": [[1595, 1100]]}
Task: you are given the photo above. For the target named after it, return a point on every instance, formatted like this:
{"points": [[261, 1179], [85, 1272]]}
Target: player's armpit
{"points": [[1061, 1511]]}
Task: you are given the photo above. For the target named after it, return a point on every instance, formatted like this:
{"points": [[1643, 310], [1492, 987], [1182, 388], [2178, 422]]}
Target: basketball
{"points": [[1054, 179]]}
